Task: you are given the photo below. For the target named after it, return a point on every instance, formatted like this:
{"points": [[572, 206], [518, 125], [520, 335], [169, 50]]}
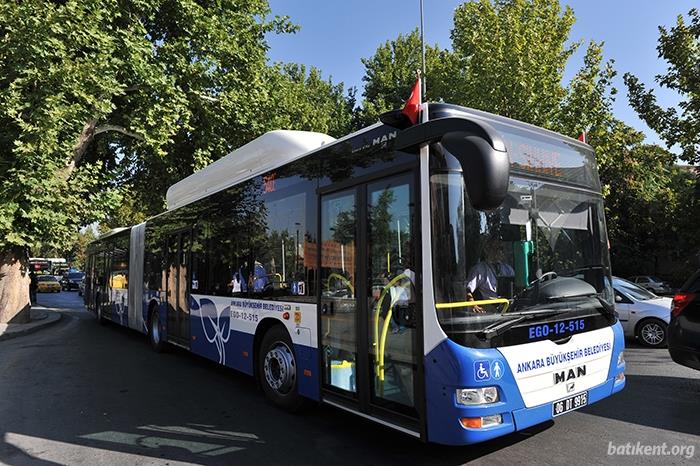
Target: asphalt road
{"points": [[79, 393]]}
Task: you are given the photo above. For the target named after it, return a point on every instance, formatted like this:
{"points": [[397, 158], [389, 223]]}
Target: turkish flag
{"points": [[409, 114], [412, 107]]}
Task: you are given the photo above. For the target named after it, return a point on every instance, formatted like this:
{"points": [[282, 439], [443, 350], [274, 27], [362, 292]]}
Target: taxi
{"points": [[48, 284]]}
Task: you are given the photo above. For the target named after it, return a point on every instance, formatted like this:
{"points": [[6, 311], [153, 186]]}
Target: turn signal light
{"points": [[481, 422], [471, 422]]}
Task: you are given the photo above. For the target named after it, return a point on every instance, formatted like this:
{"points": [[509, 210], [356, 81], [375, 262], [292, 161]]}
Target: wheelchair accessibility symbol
{"points": [[481, 371]]}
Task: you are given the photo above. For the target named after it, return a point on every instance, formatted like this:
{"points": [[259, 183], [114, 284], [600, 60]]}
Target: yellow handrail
{"points": [[380, 342], [343, 279], [482, 302]]}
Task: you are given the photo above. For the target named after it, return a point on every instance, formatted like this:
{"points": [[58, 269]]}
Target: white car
{"points": [[643, 314]]}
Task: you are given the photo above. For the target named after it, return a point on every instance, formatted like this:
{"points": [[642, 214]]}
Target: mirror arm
{"points": [[432, 131]]}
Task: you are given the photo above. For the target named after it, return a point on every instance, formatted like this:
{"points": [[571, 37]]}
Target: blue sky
{"points": [[336, 34]]}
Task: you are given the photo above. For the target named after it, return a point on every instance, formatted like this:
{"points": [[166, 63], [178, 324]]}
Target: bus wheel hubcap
{"points": [[652, 334], [279, 368]]}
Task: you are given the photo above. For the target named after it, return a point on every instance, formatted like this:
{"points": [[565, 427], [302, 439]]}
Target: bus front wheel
{"points": [[277, 369]]}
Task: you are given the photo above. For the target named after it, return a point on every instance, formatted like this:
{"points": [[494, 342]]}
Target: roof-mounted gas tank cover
{"points": [[477, 146]]}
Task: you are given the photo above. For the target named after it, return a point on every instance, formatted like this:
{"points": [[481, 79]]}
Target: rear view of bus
{"points": [[519, 323]]}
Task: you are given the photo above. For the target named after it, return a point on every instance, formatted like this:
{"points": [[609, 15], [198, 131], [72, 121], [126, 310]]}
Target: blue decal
{"points": [[497, 369], [481, 371]]}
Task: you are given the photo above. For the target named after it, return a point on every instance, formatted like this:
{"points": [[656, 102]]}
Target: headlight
{"points": [[477, 396], [621, 358]]}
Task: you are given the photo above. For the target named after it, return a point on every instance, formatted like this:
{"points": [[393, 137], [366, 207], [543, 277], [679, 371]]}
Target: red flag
{"points": [[582, 137], [412, 107]]}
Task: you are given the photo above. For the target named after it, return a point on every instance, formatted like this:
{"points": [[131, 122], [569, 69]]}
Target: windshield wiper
{"points": [[499, 328], [609, 310]]}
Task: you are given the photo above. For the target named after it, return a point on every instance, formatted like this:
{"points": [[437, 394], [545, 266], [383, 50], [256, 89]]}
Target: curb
{"points": [[50, 319]]}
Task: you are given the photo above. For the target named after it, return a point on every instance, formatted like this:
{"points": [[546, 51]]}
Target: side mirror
{"points": [[618, 298], [485, 169]]}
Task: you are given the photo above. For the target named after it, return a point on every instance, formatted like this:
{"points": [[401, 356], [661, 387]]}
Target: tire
{"points": [[98, 313], [155, 332], [277, 370], [652, 333]]}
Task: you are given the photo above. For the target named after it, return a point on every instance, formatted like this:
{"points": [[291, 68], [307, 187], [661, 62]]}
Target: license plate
{"points": [[569, 404]]}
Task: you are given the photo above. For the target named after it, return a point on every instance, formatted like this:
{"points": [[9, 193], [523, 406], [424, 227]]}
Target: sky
{"points": [[336, 34]]}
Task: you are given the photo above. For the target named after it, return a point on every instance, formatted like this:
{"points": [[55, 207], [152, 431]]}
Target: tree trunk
{"points": [[14, 287]]}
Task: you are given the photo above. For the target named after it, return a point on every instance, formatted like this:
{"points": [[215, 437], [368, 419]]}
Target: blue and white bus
{"points": [[450, 279]]}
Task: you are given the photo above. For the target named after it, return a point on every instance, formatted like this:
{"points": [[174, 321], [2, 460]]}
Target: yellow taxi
{"points": [[48, 284]]}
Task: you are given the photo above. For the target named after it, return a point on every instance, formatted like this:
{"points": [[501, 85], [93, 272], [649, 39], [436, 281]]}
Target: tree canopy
{"points": [[680, 48], [104, 104], [107, 103], [508, 57]]}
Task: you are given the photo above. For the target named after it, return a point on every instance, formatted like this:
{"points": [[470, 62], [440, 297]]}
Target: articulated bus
{"points": [[450, 279]]}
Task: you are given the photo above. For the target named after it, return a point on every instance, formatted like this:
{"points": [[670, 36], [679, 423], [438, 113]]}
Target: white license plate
{"points": [[569, 404]]}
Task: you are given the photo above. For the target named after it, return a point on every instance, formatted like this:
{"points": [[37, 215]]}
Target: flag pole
{"points": [[422, 48]]}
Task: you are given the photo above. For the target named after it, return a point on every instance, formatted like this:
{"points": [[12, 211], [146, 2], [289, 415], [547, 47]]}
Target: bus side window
{"points": [[198, 273], [280, 269]]}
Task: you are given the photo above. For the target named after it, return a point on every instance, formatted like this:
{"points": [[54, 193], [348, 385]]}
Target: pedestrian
{"points": [[33, 284]]}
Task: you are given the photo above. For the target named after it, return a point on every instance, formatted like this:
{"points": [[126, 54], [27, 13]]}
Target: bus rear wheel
{"points": [[277, 370], [98, 313], [155, 332]]}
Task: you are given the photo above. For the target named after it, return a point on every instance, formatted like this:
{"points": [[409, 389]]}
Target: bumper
{"points": [[450, 366], [685, 357], [684, 342], [48, 289]]}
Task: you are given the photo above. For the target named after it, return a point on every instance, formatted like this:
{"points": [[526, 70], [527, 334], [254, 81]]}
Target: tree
{"points": [[523, 44], [95, 93], [391, 72], [680, 47], [303, 100], [508, 58]]}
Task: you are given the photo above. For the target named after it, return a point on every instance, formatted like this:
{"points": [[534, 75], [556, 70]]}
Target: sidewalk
{"points": [[40, 317]]}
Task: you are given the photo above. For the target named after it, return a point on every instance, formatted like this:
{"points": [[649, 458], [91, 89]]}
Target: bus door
{"points": [[370, 317], [177, 252]]}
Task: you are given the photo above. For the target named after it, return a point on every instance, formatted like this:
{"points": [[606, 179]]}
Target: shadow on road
{"points": [[85, 393], [100, 393], [668, 403]]}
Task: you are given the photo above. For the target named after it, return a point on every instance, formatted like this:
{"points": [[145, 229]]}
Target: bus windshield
{"points": [[544, 250]]}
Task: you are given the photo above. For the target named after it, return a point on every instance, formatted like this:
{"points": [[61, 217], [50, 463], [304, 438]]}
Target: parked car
{"points": [[47, 283], [81, 287], [651, 283], [71, 280], [643, 315], [684, 329]]}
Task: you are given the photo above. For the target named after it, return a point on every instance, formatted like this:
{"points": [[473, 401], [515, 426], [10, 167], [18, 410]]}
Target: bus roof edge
{"points": [[262, 154]]}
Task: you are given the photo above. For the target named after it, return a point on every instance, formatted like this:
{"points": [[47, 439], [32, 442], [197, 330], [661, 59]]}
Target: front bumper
{"points": [[450, 366]]}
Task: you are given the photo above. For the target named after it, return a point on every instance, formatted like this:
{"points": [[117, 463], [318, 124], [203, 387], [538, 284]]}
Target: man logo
{"points": [[573, 373], [570, 387]]}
